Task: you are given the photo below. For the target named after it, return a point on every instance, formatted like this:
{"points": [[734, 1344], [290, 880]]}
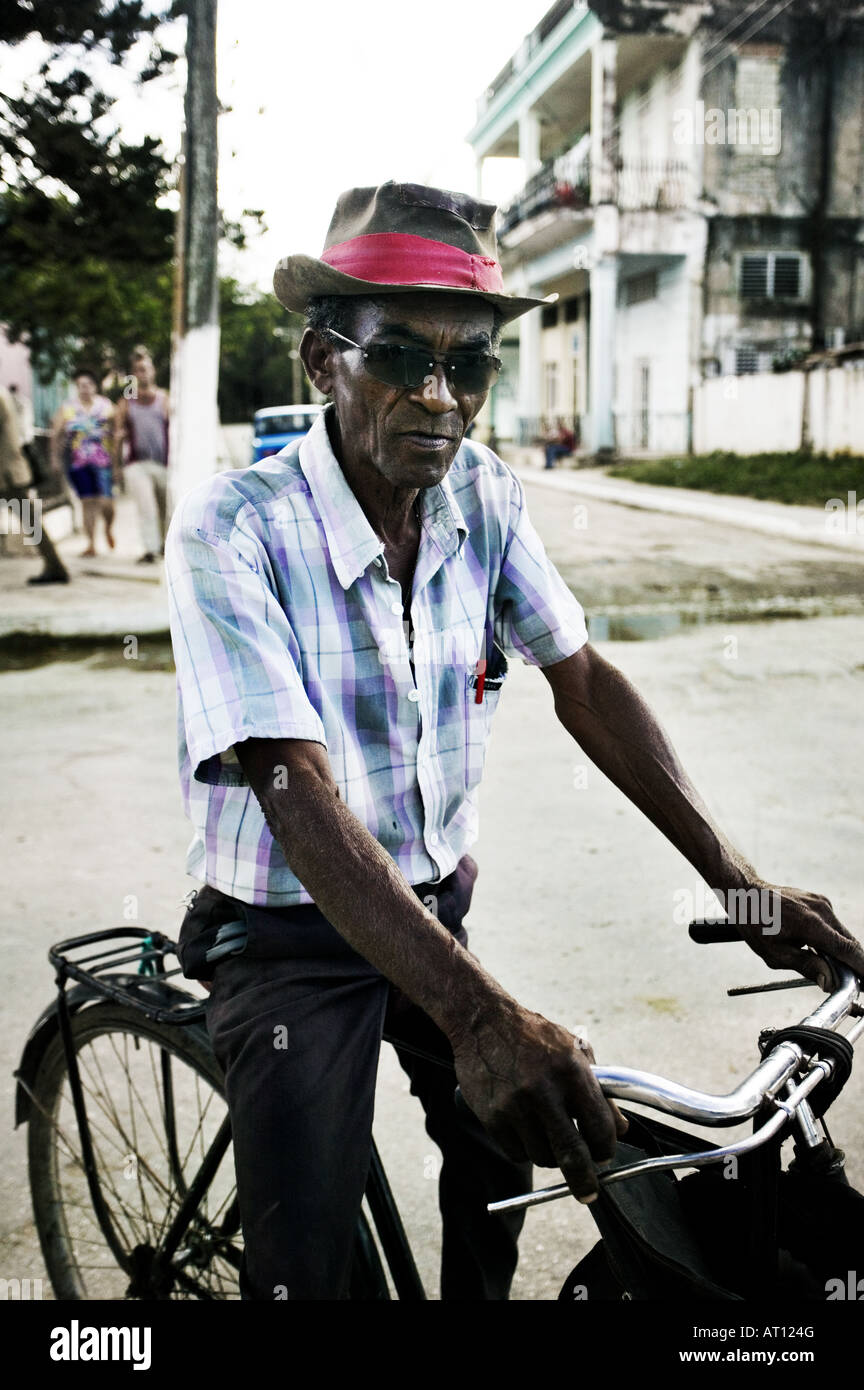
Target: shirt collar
{"points": [[352, 542]]}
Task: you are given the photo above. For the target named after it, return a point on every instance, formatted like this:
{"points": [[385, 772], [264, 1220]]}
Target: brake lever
{"points": [[799, 983]]}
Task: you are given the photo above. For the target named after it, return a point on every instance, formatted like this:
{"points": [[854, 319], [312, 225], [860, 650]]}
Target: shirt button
{"points": [[414, 695], [433, 839], [395, 608]]}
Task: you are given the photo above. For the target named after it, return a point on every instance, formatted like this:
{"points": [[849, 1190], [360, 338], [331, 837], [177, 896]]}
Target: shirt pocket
{"points": [[478, 717]]}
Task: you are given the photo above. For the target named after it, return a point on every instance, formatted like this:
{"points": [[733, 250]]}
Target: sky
{"points": [[325, 97]]}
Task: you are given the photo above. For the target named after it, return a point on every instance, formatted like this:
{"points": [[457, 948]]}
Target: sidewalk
{"points": [[109, 596], [808, 524]]}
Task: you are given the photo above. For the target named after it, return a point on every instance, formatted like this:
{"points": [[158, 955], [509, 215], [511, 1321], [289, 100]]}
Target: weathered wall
{"points": [[763, 413]]}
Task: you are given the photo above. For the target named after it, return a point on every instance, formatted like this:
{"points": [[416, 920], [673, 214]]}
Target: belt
{"points": [[231, 938]]}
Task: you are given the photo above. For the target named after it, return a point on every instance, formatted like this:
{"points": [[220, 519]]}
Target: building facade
{"points": [[695, 196]]}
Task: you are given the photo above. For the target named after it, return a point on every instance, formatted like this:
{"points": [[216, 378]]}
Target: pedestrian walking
{"points": [[142, 426], [82, 442], [15, 484]]}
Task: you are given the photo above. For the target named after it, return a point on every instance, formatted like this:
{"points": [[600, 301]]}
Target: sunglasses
{"points": [[393, 364]]}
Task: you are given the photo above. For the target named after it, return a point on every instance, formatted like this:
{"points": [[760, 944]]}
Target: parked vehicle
{"points": [[278, 425]]}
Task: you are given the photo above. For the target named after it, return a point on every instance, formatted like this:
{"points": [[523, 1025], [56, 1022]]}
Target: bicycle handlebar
{"points": [[645, 1088], [761, 1087]]}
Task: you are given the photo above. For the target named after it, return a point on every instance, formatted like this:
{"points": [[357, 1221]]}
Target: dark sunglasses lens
{"points": [[397, 366], [473, 372]]}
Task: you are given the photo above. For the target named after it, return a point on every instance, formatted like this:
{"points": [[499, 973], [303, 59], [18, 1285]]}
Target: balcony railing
{"points": [[538, 35], [644, 184], [558, 183], [565, 182]]}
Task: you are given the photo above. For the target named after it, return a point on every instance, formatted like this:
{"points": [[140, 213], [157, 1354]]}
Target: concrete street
{"points": [[574, 905]]}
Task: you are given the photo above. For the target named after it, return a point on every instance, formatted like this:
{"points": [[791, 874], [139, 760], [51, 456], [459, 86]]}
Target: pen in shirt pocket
{"points": [[480, 668]]}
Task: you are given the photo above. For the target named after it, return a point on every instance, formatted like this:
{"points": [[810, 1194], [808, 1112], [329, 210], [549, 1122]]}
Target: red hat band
{"points": [[397, 258]]}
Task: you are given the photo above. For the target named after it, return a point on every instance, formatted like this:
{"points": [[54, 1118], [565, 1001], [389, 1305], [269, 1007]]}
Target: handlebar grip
{"points": [[708, 933]]}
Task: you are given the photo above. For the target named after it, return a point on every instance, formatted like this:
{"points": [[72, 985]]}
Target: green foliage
{"points": [[87, 239], [86, 270], [256, 368], [807, 479]]}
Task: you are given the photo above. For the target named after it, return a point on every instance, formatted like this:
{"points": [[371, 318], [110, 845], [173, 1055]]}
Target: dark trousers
{"points": [[296, 1023]]}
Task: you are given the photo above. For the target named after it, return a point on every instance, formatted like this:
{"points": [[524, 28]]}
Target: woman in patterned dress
{"points": [[82, 438]]}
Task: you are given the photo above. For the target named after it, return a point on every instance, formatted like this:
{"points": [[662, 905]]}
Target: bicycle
{"points": [[169, 1227]]}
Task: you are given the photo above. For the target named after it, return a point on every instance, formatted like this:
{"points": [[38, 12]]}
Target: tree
{"points": [[256, 367], [87, 235]]}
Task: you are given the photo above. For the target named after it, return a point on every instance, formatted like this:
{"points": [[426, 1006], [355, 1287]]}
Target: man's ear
{"points": [[315, 355]]}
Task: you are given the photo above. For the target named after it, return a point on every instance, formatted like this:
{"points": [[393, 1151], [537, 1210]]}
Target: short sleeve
{"points": [[237, 657], [536, 615]]}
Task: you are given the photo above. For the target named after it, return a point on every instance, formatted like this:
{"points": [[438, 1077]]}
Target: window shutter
{"points": [[754, 277], [787, 277]]}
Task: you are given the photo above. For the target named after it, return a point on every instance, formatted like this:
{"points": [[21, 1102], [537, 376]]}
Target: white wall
{"points": [[762, 413], [837, 408], [655, 331]]}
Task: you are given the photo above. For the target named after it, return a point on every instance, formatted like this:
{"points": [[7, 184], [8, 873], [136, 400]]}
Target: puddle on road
{"points": [[25, 653], [648, 625]]}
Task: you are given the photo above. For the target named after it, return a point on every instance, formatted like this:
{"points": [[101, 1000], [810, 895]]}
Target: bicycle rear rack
{"points": [[101, 970]]}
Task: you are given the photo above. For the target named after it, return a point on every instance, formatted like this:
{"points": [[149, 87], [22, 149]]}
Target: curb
{"points": [[711, 508]]}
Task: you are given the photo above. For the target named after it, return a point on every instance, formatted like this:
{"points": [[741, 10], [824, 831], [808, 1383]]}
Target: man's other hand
{"points": [[527, 1080], [795, 930]]}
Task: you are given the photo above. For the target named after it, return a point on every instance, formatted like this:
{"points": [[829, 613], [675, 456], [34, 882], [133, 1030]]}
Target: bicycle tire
{"points": [[145, 1155]]}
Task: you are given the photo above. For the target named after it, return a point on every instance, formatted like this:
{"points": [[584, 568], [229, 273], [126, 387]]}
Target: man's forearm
{"points": [[359, 889], [609, 719]]}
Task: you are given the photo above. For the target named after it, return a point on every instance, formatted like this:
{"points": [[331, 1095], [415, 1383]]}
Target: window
{"points": [[640, 287], [771, 276], [549, 316], [754, 124], [746, 360], [571, 309]]}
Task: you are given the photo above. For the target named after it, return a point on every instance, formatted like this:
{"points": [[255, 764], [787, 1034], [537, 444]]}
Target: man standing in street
{"points": [[142, 426], [15, 487], [342, 616]]}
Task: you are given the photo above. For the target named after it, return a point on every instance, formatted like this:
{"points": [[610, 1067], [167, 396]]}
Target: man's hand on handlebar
{"points": [[797, 930], [527, 1080]]}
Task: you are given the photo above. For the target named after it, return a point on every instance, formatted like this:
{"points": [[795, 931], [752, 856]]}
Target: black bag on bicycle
{"points": [[691, 1238]]}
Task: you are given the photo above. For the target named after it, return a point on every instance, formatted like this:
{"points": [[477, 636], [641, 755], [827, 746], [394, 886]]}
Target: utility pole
{"points": [[195, 339]]}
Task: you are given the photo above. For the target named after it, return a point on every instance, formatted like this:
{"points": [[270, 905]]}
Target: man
{"points": [[341, 616], [15, 486], [560, 444], [142, 424]]}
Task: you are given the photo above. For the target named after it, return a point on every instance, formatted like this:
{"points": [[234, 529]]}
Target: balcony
{"points": [[565, 184], [644, 185], [559, 183], [530, 44]]}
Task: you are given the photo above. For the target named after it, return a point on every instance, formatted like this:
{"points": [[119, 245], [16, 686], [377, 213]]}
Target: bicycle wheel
{"points": [[153, 1095]]}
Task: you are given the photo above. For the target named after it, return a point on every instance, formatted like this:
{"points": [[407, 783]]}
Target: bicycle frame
{"points": [[758, 1098]]}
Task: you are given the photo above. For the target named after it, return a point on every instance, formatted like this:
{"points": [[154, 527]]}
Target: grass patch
{"points": [[808, 479]]}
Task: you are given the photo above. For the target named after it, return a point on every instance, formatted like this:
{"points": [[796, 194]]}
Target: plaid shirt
{"points": [[287, 624]]}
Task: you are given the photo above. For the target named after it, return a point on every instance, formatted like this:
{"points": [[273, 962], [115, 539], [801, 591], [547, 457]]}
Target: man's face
{"points": [[144, 372], [410, 434]]}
